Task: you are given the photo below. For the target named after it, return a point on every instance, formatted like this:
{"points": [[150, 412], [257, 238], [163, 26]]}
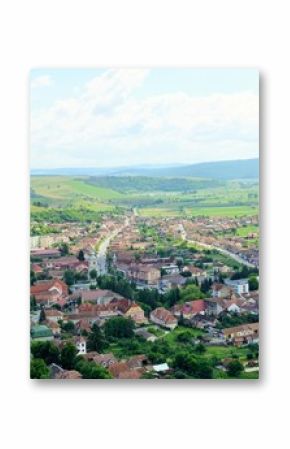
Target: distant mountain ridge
{"points": [[234, 169]]}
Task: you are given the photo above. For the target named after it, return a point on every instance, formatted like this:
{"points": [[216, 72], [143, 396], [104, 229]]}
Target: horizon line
{"points": [[143, 165]]}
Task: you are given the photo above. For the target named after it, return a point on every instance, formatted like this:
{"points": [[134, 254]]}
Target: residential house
{"points": [[145, 275], [54, 327], [42, 253], [81, 345], [105, 360], [189, 309], [136, 313], [49, 292], [163, 317], [98, 296], [213, 306], [172, 280], [69, 375], [170, 269], [240, 286], [243, 334], [53, 315], [221, 290]]}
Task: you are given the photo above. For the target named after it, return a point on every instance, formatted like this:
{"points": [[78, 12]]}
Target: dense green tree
{"points": [[64, 249], [244, 272], [69, 277], [172, 297], [91, 370], [56, 306], [33, 305], [234, 319], [204, 370], [42, 316], [68, 327], [96, 340], [163, 272], [200, 348], [191, 292], [185, 362], [46, 350], [93, 274], [81, 276], [206, 286], [186, 274], [68, 356], [81, 255], [32, 277], [192, 366], [235, 368], [149, 297], [184, 336], [253, 283], [39, 369], [119, 327]]}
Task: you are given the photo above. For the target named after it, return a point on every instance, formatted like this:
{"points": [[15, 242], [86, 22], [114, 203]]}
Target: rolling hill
{"points": [[237, 169]]}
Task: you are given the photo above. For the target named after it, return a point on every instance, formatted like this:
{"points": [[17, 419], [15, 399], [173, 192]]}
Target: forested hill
{"points": [[147, 184], [239, 169], [223, 170]]}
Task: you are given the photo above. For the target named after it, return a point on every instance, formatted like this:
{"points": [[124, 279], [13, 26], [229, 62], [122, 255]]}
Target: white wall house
{"points": [[239, 286]]}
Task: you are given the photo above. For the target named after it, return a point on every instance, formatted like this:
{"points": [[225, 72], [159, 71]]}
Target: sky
{"points": [[128, 117]]}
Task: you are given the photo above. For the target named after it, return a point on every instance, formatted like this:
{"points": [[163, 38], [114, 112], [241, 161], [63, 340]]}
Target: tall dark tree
{"points": [[96, 340], [39, 369], [42, 316], [68, 356], [32, 277], [33, 305], [93, 274], [64, 249], [235, 368], [81, 255], [45, 350], [119, 327], [90, 370], [69, 327], [253, 283], [69, 277]]}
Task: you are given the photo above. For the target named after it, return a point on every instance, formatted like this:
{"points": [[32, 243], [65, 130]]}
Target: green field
{"points": [[245, 230], [230, 211], [65, 187], [152, 197]]}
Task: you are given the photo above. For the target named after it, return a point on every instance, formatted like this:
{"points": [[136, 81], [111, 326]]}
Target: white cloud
{"points": [[41, 81], [107, 124]]}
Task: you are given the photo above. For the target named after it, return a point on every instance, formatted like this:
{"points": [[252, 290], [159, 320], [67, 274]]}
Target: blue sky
{"points": [[113, 117]]}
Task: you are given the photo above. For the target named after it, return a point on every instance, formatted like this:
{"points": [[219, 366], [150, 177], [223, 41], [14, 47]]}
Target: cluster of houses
{"points": [[134, 256], [221, 232], [131, 368]]}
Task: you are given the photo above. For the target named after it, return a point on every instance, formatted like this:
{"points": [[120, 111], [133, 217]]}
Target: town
{"points": [[130, 296]]}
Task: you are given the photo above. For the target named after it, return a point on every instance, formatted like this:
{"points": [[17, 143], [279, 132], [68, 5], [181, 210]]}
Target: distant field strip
{"points": [[238, 211], [62, 187]]}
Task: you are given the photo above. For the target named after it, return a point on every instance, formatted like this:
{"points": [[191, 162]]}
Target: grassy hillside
{"points": [[151, 196], [66, 187]]}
